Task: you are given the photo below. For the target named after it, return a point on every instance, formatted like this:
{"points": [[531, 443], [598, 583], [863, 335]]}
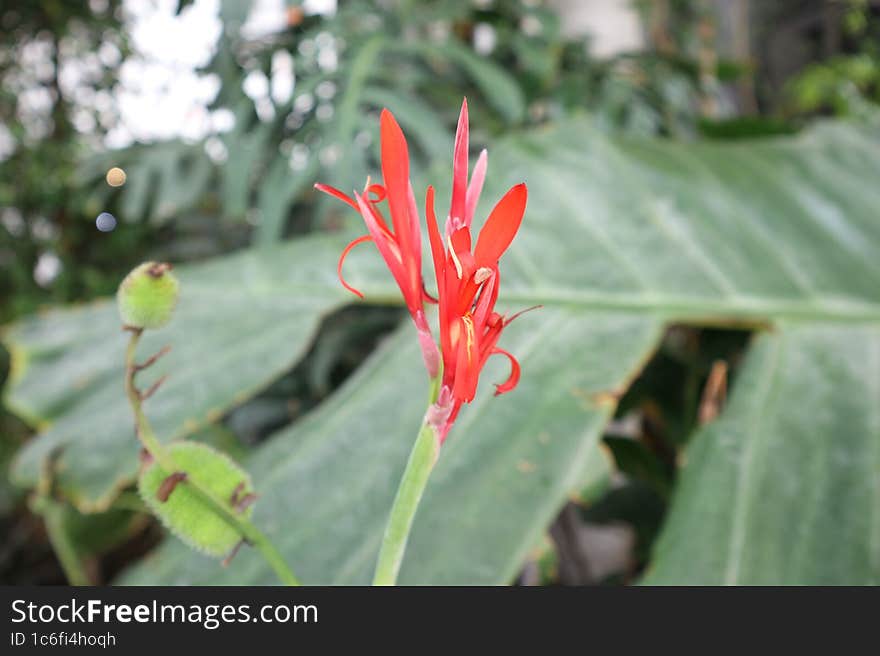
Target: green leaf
{"points": [[597, 476], [276, 196], [174, 173], [784, 488], [183, 512], [498, 86], [241, 322], [501, 477], [419, 120], [780, 231], [246, 149], [96, 533]]}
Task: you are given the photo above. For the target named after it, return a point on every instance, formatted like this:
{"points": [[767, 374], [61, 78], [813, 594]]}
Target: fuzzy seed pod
{"points": [[147, 296]]}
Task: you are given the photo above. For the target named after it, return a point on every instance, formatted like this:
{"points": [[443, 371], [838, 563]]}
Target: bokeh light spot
{"points": [[105, 222], [116, 177]]}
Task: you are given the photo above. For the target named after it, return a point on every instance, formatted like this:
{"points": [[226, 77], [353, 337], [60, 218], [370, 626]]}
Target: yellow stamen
{"points": [[469, 334]]}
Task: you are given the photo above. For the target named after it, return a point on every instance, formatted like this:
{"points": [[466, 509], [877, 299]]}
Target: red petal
{"points": [[388, 248], [513, 379], [430, 354], [486, 302], [333, 191], [415, 252], [467, 366], [444, 430], [461, 241], [458, 208], [345, 252], [449, 319], [501, 226], [395, 174], [438, 253], [476, 187]]}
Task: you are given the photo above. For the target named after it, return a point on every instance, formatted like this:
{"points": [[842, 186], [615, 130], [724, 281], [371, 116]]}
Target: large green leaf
{"points": [[770, 229], [781, 230], [498, 85], [326, 484], [785, 487], [241, 322]]}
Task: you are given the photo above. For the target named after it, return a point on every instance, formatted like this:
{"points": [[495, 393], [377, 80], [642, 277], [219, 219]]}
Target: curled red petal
{"points": [[501, 226], [393, 254], [333, 191], [427, 296], [345, 252], [513, 379], [377, 192], [507, 321]]}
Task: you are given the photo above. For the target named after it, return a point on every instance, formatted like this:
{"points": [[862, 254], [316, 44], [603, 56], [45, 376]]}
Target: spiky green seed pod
{"points": [[185, 513], [147, 296]]}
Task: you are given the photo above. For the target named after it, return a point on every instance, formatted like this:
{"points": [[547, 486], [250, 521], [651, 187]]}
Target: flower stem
{"points": [[415, 478], [53, 517], [250, 533]]}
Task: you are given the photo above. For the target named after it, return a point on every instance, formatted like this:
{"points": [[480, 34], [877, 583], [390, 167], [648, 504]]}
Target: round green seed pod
{"points": [[147, 296]]}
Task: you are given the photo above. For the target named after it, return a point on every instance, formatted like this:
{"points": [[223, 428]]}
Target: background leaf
{"points": [[226, 346], [500, 479], [785, 487], [617, 231]]}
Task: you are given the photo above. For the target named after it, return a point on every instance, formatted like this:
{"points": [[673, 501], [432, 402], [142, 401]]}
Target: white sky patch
{"points": [[7, 143], [256, 85], [12, 220], [267, 17], [185, 39], [614, 26], [222, 120], [160, 95], [283, 78], [484, 38], [324, 7], [47, 268]]}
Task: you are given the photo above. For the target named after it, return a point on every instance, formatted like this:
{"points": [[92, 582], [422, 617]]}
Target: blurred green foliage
{"points": [[847, 84], [43, 204], [251, 185]]}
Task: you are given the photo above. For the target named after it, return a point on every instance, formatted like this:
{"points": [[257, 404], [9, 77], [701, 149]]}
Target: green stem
{"points": [[409, 493], [165, 460], [130, 501], [53, 518]]}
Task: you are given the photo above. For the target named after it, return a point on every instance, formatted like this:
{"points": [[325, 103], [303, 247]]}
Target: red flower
{"points": [[467, 277], [468, 281], [401, 248]]}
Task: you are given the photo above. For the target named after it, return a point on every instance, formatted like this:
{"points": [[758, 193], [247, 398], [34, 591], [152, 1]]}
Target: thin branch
{"points": [[165, 460]]}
